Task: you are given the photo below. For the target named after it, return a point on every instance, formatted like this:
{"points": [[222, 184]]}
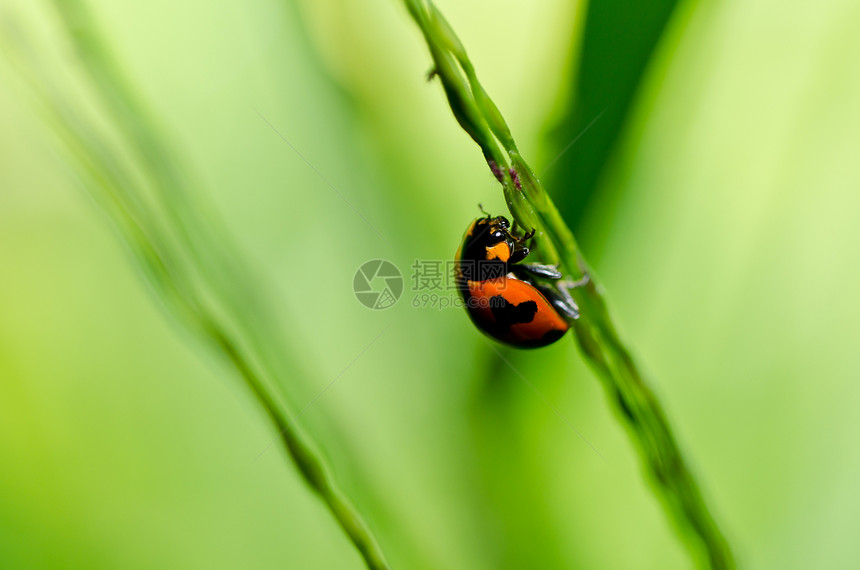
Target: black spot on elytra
{"points": [[507, 314]]}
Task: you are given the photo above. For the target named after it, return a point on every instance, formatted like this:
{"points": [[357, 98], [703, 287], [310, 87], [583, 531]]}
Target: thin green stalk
{"points": [[188, 261], [532, 207]]}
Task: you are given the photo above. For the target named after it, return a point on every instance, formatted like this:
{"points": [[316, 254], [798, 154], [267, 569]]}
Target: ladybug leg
{"points": [[539, 270], [515, 230], [566, 307], [565, 298], [518, 255], [561, 298], [566, 286], [561, 301]]}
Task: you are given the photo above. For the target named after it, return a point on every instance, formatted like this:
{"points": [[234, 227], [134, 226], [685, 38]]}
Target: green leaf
{"points": [[608, 62]]}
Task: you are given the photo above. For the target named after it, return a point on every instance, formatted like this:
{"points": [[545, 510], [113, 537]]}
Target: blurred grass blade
{"points": [[610, 59], [595, 332], [158, 208]]}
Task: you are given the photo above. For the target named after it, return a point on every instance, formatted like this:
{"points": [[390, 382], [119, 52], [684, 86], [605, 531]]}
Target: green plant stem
{"points": [[191, 265], [597, 337]]}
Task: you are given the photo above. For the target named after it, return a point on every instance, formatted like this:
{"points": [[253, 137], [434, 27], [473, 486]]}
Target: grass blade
{"points": [[191, 263], [616, 46], [595, 332]]}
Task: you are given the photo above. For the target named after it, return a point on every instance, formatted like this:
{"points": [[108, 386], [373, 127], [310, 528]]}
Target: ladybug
{"points": [[521, 304]]}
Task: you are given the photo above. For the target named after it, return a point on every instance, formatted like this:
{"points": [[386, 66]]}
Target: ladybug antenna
{"points": [[483, 211]]}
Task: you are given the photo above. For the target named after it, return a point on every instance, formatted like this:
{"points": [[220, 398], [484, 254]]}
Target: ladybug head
{"points": [[490, 239]]}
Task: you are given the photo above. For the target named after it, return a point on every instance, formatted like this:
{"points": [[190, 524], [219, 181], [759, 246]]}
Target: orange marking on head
{"points": [[499, 251]]}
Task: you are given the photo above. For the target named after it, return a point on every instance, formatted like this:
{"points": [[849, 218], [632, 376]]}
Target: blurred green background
{"points": [[716, 196]]}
